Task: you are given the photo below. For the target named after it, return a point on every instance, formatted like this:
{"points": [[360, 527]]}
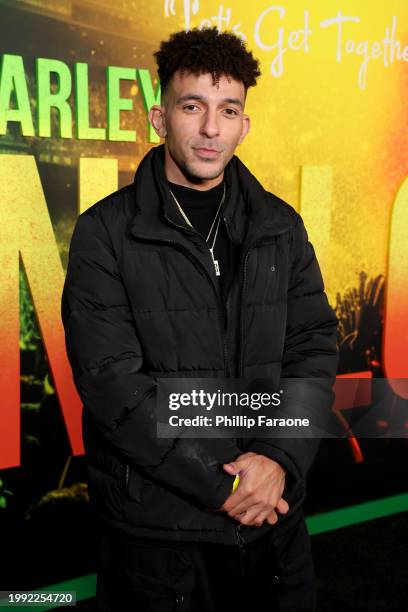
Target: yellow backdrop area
{"points": [[329, 122]]}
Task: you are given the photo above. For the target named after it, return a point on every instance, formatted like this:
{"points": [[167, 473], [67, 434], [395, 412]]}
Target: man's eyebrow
{"points": [[192, 96], [233, 101]]}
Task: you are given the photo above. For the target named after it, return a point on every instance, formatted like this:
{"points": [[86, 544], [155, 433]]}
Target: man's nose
{"points": [[209, 125]]}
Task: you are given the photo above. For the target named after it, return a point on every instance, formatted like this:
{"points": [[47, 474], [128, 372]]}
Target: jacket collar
{"points": [[250, 211]]}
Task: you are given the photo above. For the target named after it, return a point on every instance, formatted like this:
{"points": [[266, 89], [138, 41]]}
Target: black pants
{"points": [[272, 574]]}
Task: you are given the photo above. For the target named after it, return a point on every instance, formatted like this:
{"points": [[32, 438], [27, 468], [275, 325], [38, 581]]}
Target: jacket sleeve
{"points": [[309, 361], [118, 396]]}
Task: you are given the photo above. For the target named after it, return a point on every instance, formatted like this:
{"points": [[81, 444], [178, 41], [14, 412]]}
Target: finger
{"points": [[237, 505], [282, 506], [239, 501], [243, 505], [272, 518], [260, 518], [247, 518], [241, 508]]}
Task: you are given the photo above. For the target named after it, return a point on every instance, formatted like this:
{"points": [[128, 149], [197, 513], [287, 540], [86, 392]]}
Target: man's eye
{"points": [[231, 112], [190, 107]]}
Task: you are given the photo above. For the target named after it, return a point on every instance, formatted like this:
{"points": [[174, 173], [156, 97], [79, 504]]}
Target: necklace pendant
{"points": [[215, 262]]}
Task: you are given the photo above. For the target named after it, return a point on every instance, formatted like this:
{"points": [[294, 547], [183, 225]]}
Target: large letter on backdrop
{"points": [[26, 228], [395, 346]]}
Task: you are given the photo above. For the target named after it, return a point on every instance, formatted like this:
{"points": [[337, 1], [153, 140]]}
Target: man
{"points": [[196, 271]]}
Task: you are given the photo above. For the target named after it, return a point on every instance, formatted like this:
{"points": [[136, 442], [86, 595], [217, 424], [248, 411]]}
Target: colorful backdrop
{"points": [[328, 135]]}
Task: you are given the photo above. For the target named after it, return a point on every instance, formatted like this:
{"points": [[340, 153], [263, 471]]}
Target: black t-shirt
{"points": [[201, 208]]}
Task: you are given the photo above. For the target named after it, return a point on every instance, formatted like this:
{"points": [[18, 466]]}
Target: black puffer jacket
{"points": [[140, 302]]}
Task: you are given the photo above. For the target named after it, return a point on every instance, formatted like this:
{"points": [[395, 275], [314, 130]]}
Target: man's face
{"points": [[202, 123]]}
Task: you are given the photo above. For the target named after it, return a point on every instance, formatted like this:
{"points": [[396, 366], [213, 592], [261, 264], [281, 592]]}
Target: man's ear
{"points": [[157, 119], [246, 124]]}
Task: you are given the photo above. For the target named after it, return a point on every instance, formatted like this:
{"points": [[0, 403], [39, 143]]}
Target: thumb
{"points": [[282, 506], [232, 468], [237, 466]]}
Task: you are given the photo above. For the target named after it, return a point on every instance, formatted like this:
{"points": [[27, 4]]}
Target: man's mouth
{"points": [[204, 152]]}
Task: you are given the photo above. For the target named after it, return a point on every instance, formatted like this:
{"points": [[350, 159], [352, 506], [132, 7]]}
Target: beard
{"points": [[196, 174]]}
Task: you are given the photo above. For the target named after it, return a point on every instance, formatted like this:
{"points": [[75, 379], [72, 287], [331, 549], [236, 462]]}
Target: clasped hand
{"points": [[258, 496]]}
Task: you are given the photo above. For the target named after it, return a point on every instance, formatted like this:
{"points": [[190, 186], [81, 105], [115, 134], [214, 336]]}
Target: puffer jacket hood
{"points": [[141, 302]]}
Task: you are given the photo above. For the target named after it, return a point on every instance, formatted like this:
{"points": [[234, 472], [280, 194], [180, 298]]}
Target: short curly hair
{"points": [[206, 50]]}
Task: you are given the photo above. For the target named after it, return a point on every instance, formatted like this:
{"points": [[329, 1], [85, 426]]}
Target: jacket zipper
{"points": [[125, 480], [220, 308], [223, 318], [239, 535], [258, 242], [241, 545]]}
